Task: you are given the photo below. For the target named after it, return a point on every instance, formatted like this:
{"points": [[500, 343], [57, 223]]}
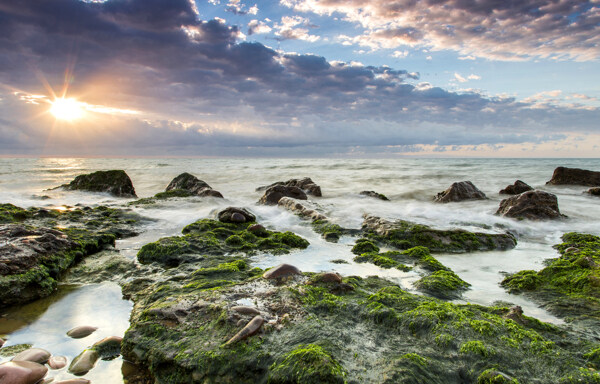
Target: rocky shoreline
{"points": [[203, 314]]}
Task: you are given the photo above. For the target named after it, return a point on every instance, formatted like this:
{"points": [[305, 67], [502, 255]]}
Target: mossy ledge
{"points": [[570, 285]]}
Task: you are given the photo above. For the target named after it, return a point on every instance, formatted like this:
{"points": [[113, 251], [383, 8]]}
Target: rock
{"points": [[73, 381], [36, 355], [493, 376], [109, 347], [1, 342], [235, 215], [250, 329], [532, 205], [299, 209], [258, 230], [14, 349], [57, 362], [193, 185], [327, 277], [306, 184], [84, 362], [21, 372], [463, 190], [594, 191], [245, 310], [517, 188], [115, 182], [275, 193], [375, 195], [81, 331], [516, 314], [571, 250], [281, 271], [575, 176]]}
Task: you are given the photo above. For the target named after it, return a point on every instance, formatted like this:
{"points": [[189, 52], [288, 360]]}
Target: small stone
{"points": [[571, 250], [57, 362], [237, 218], [22, 372], [81, 331], [281, 271], [257, 230], [245, 310], [74, 381], [84, 362], [36, 355], [250, 329], [1, 342], [329, 277]]}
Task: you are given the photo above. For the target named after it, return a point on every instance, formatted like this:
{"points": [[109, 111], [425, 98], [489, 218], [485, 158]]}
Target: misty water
{"points": [[410, 184]]}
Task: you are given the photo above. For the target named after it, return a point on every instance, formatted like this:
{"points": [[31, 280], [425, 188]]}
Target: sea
{"points": [[409, 183]]}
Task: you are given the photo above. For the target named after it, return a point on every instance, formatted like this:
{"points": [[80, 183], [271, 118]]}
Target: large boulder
{"points": [[515, 189], [305, 184], [460, 191], [193, 185], [115, 182], [575, 176], [22, 372], [275, 193], [235, 215], [533, 205]]}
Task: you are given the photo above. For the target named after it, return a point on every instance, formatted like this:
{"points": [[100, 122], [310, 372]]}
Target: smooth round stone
{"points": [[81, 331], [22, 372], [74, 381], [281, 271], [37, 355], [238, 218], [84, 362], [57, 362], [1, 342], [245, 310]]}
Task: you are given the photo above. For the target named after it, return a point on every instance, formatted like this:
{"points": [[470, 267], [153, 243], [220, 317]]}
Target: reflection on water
{"points": [[44, 324]]}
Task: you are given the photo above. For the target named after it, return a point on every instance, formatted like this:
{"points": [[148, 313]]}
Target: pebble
{"points": [[36, 355], [22, 372], [280, 271], [329, 277], [81, 331], [57, 362], [245, 310], [237, 217], [74, 381], [84, 362], [250, 329], [1, 342]]}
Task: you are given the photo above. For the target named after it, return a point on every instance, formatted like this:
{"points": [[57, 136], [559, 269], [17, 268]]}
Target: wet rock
{"points": [[115, 182], [532, 205], [235, 215], [257, 230], [575, 176], [1, 342], [36, 355], [74, 381], [299, 209], [109, 347], [193, 185], [274, 194], [375, 195], [460, 191], [22, 372], [281, 271], [84, 362], [515, 189], [594, 191], [571, 250], [245, 310], [516, 314], [327, 277], [81, 331], [493, 376], [57, 362], [14, 349], [250, 329], [306, 184]]}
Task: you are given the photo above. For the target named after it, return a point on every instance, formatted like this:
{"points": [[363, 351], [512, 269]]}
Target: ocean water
{"points": [[409, 183]]}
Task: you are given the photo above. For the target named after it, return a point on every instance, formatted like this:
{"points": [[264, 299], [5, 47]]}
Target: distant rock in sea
{"points": [[594, 191], [575, 176], [517, 188], [305, 184], [460, 191], [193, 185], [275, 193]]}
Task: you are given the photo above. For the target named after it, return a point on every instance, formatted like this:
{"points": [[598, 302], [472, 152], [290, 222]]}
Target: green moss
{"points": [[493, 376], [443, 284], [11, 214], [305, 365], [173, 193], [522, 281], [424, 259], [329, 231], [593, 357], [475, 347], [415, 358], [14, 349], [364, 246]]}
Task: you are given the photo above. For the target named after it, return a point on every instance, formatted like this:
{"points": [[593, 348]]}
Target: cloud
{"points": [[295, 28], [238, 8], [258, 27], [498, 30]]}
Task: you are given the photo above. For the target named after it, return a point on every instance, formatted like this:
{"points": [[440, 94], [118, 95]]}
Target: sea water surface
{"points": [[410, 184]]}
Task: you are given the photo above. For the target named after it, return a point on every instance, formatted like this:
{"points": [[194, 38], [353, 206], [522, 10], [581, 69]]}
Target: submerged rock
{"points": [[109, 347], [81, 331], [115, 182], [575, 176], [84, 362], [275, 193], [281, 271], [193, 185], [594, 191], [460, 191], [57, 362], [306, 184], [36, 355], [235, 215], [515, 189], [250, 329], [21, 372], [532, 205], [375, 195]]}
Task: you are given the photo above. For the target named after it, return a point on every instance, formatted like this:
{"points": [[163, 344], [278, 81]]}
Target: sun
{"points": [[66, 109]]}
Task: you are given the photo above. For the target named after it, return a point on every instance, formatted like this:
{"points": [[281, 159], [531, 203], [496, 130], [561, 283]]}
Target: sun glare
{"points": [[66, 109]]}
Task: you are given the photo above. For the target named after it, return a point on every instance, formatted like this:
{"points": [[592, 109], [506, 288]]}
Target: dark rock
{"points": [[594, 191], [533, 205], [275, 193], [235, 215], [193, 185], [257, 230], [327, 277], [22, 372], [575, 176], [375, 195], [245, 310], [460, 191], [109, 347], [281, 271], [57, 362], [1, 342], [299, 209], [81, 331], [36, 355], [115, 182], [517, 188], [306, 184], [250, 329]]}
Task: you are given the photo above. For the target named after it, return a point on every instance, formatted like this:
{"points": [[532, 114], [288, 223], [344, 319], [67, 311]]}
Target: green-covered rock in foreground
{"points": [[570, 285]]}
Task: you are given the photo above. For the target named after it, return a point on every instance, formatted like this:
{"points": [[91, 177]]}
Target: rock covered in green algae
{"points": [[115, 182], [493, 376], [442, 284], [570, 284], [594, 191], [108, 348], [403, 234], [307, 364], [191, 184], [305, 184], [374, 195]]}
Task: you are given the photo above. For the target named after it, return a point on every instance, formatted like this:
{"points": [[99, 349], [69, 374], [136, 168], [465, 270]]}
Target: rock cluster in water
{"points": [[306, 185]]}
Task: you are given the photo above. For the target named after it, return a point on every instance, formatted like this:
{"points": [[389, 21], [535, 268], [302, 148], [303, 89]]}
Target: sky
{"points": [[300, 78]]}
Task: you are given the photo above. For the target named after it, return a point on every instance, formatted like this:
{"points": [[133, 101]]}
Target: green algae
{"points": [[364, 246], [12, 214], [14, 349], [329, 231], [307, 364], [493, 376], [442, 284]]}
